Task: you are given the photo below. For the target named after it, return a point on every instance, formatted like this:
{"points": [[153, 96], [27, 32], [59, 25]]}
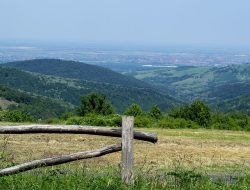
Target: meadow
{"points": [[181, 159]]}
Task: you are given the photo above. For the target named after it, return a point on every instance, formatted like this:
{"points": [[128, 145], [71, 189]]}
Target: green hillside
{"points": [[38, 107], [70, 90], [77, 70], [241, 103], [212, 84]]}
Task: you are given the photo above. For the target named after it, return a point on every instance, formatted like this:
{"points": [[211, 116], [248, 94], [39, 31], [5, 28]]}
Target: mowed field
{"points": [[213, 151]]}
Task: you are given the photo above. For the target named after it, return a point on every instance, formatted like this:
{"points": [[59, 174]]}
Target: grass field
{"points": [[212, 152]]}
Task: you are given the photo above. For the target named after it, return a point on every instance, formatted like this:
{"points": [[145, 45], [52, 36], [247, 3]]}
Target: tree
{"points": [[16, 116], [155, 112], [134, 110], [197, 112], [200, 113], [95, 103]]}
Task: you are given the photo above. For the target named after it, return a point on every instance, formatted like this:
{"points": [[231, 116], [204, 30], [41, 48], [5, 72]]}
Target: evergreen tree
{"points": [[134, 110], [155, 112], [95, 103]]}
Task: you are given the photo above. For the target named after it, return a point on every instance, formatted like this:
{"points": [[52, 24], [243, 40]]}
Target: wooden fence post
{"points": [[127, 149]]}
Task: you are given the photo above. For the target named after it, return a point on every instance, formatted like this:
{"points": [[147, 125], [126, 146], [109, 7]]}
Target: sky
{"points": [[163, 22]]}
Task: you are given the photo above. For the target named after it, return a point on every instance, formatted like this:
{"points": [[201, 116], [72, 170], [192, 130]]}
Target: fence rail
{"points": [[126, 132], [75, 129]]}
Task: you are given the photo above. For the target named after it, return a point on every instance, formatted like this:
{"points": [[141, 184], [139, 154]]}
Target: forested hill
{"points": [[77, 70], [240, 104], [70, 90], [39, 107], [212, 84]]}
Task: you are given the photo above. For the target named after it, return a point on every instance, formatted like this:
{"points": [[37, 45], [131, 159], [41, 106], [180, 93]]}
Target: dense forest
{"points": [[33, 106], [77, 70], [32, 96], [70, 90]]}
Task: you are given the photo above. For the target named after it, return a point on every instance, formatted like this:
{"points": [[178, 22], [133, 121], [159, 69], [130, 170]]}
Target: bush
{"points": [[240, 119], [176, 123], [96, 104], [143, 122], [197, 112], [236, 121], [155, 112], [134, 110], [97, 120], [15, 116]]}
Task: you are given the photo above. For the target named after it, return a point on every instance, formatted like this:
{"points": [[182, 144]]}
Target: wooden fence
{"points": [[126, 132]]}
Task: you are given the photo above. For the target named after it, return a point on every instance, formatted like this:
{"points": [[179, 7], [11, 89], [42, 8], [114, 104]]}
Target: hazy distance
{"points": [[163, 22]]}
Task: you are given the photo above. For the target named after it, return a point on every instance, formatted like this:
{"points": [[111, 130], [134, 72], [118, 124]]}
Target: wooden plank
{"points": [[75, 129], [60, 160], [127, 149]]}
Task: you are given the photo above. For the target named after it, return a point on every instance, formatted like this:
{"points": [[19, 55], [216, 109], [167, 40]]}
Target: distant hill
{"points": [[37, 106], [77, 70], [212, 84], [70, 90], [240, 103]]}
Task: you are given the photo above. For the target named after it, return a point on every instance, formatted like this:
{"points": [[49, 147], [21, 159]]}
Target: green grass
{"points": [[177, 161], [110, 179]]}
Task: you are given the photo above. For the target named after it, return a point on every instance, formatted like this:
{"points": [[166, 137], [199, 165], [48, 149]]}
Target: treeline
{"points": [[96, 110]]}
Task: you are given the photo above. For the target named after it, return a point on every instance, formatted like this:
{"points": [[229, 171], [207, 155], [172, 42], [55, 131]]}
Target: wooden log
{"points": [[60, 160], [75, 129], [127, 149]]}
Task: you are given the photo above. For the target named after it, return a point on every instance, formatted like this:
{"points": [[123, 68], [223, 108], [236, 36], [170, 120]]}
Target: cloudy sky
{"points": [[198, 22]]}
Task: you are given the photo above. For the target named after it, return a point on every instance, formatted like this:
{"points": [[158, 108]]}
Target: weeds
{"points": [[6, 157], [179, 179]]}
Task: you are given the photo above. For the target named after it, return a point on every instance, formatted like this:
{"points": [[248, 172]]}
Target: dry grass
{"points": [[204, 149]]}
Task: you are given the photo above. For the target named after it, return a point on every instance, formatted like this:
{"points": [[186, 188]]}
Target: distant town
{"points": [[117, 58]]}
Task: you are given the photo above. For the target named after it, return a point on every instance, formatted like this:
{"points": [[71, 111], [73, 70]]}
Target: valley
{"points": [[214, 85], [120, 90]]}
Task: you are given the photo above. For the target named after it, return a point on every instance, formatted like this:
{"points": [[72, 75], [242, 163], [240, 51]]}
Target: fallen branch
{"points": [[60, 160], [75, 129]]}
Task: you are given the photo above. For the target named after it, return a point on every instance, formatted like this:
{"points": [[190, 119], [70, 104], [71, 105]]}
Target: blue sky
{"points": [[164, 22]]}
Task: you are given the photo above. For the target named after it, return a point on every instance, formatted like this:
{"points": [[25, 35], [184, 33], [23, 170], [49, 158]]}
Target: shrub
{"points": [[142, 122], [134, 110], [240, 119], [15, 116], [95, 103], [155, 112], [176, 123], [93, 119], [236, 121], [197, 112]]}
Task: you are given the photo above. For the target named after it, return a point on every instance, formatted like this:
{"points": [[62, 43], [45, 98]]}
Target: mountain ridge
{"points": [[70, 90], [77, 70]]}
